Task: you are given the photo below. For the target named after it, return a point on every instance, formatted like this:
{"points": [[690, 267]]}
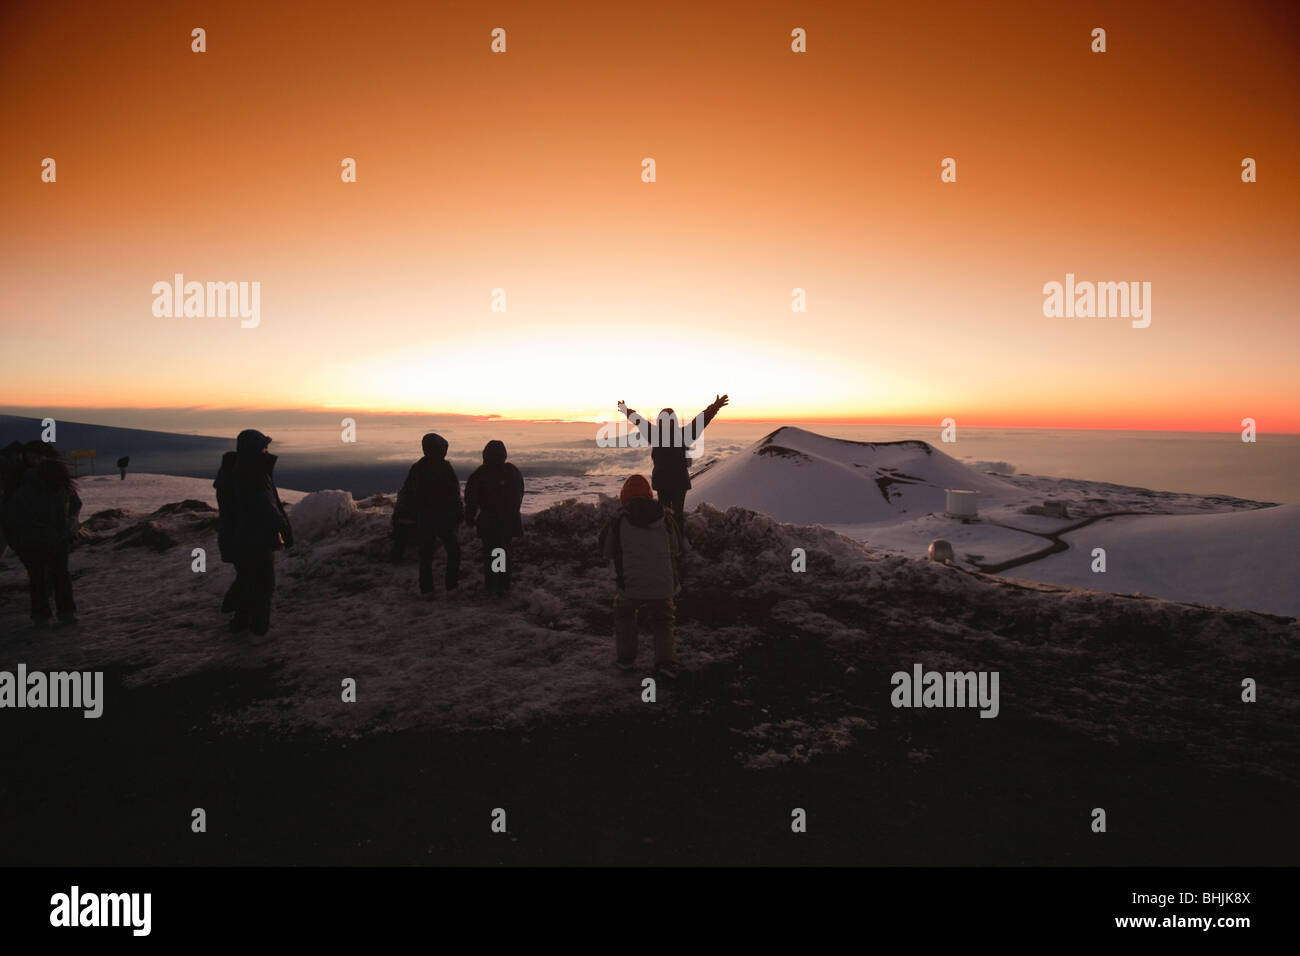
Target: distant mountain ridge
{"points": [[155, 451]]}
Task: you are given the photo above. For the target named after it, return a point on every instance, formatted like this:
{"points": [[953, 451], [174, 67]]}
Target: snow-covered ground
{"points": [[891, 496], [466, 661], [143, 493], [1237, 559]]}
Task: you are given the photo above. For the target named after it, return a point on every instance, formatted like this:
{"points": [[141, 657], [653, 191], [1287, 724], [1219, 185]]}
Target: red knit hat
{"points": [[635, 487]]}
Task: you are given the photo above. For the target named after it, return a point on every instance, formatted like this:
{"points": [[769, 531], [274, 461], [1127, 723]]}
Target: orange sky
{"points": [[775, 170]]}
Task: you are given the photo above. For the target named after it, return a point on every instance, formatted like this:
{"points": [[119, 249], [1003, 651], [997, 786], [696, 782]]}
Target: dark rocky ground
{"points": [[1129, 704]]}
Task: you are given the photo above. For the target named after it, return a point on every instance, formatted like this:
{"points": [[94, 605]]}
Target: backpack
{"points": [[615, 527], [496, 493]]}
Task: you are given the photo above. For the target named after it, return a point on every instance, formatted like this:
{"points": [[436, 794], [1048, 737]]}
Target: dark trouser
{"points": [[254, 585], [496, 581], [674, 500], [428, 544], [656, 614], [46, 569], [231, 601]]}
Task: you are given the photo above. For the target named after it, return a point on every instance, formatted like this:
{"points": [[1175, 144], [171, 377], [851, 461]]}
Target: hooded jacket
{"points": [[11, 473], [644, 548], [42, 513], [250, 518], [431, 492], [494, 494]]}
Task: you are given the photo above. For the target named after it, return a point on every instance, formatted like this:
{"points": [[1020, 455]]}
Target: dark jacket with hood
{"points": [[11, 474], [645, 550], [43, 512], [494, 494], [431, 492], [251, 522]]}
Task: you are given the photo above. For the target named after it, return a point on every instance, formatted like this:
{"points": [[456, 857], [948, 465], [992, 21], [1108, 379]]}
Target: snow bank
{"points": [[143, 493], [320, 514], [1244, 559]]}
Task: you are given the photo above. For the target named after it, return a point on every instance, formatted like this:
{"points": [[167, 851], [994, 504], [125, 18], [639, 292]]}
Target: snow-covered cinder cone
{"points": [[321, 513], [801, 477]]}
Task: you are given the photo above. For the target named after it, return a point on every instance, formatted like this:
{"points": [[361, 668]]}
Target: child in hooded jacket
{"points": [[644, 545]]}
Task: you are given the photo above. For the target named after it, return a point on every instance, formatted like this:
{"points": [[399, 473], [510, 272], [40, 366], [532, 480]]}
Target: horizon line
{"points": [[493, 419]]}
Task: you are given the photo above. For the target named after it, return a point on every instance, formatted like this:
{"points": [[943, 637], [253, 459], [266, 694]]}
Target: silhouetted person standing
{"points": [[433, 491], [494, 494], [11, 474], [122, 463], [42, 517], [669, 441], [251, 527]]}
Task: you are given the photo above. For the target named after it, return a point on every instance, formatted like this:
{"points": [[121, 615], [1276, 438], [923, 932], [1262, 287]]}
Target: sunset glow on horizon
{"points": [[775, 171]]}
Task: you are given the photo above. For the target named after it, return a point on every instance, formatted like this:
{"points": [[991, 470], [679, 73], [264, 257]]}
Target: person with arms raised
{"points": [[669, 443]]}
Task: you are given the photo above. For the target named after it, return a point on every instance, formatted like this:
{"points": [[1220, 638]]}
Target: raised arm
{"points": [[637, 419], [701, 421]]}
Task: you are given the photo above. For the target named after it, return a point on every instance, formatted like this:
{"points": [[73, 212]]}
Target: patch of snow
{"points": [[321, 513], [143, 493], [1242, 559]]}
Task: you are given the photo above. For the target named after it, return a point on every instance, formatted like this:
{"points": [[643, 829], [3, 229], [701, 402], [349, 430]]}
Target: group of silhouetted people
{"points": [[429, 509], [643, 540]]}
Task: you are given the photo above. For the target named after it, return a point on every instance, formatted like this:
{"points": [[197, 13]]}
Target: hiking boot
{"points": [[237, 625], [67, 618]]}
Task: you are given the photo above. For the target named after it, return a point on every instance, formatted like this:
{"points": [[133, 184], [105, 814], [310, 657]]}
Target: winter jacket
{"points": [[431, 491], [251, 521], [644, 548], [671, 466], [40, 514], [494, 494]]}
